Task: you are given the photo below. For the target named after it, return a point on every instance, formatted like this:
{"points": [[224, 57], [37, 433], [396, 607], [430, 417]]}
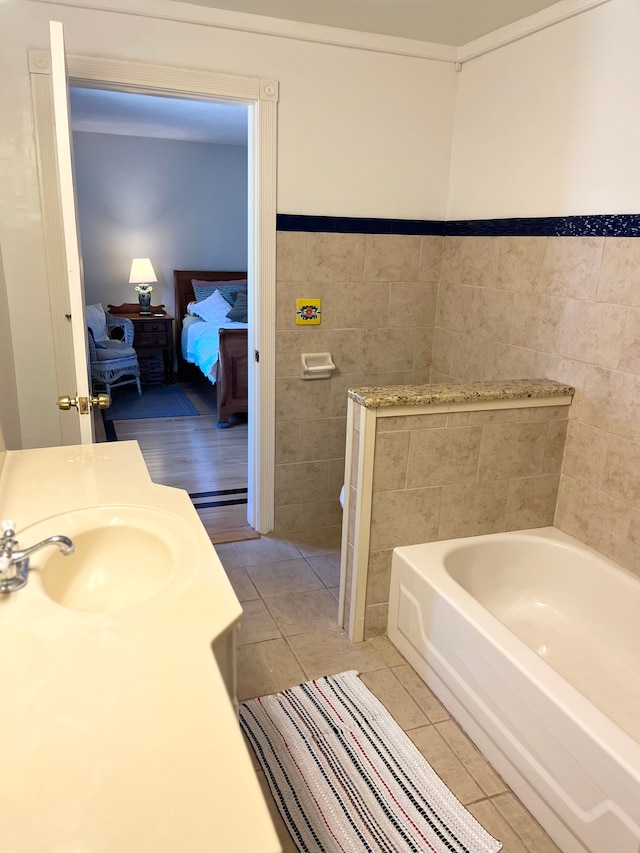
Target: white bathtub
{"points": [[532, 641]]}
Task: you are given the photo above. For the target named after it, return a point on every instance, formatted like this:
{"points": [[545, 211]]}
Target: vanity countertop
{"points": [[117, 730], [375, 397]]}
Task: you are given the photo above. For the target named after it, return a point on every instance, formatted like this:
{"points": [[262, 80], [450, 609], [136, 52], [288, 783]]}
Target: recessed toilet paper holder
{"points": [[316, 365]]}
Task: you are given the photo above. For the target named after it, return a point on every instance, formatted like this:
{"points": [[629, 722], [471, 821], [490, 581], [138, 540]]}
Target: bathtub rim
{"points": [[611, 738]]}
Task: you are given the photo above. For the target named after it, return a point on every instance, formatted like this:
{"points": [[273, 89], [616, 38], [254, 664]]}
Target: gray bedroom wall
{"points": [[182, 204]]}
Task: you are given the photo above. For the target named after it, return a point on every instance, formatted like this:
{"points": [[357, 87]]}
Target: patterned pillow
{"points": [[228, 289]]}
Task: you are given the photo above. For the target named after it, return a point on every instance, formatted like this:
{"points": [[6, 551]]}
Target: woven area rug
{"points": [[166, 401], [346, 778]]}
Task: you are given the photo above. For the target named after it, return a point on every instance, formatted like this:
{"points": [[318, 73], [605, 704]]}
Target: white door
{"points": [[70, 224]]}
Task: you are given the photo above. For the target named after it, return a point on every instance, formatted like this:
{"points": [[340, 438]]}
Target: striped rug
{"points": [[346, 778]]}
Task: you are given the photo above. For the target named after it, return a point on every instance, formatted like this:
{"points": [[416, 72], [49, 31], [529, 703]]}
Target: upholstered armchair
{"points": [[112, 358]]}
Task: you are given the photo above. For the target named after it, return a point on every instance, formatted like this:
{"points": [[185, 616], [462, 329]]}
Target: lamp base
{"points": [[144, 298]]}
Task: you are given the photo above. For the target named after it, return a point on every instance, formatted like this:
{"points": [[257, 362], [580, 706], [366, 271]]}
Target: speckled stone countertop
{"points": [[375, 397]]}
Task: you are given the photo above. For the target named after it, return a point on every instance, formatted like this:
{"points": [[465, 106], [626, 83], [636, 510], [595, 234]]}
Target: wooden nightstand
{"points": [[153, 336]]}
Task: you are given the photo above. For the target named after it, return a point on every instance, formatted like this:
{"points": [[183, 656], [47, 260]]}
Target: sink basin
{"points": [[123, 556]]}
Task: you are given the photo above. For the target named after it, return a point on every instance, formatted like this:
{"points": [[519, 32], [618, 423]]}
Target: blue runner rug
{"points": [[167, 401]]}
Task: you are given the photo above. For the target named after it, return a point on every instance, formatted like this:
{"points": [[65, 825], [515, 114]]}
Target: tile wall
{"points": [[445, 476], [563, 308], [379, 300]]}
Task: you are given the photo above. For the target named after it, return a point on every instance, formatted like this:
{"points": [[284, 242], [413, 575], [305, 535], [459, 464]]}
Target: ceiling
{"points": [[452, 22]]}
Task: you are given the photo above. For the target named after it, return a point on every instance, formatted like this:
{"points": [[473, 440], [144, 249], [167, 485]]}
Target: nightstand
{"points": [[153, 337]]}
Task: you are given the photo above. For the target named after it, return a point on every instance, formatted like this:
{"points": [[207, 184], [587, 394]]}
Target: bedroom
{"points": [[166, 178]]}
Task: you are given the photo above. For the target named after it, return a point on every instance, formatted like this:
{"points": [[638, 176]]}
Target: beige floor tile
{"points": [[411, 681], [335, 592], [446, 764], [490, 818], [330, 652], [241, 583], [265, 668], [387, 651], [327, 567], [228, 555], [313, 610], [264, 550], [383, 684], [316, 541], [257, 624], [286, 842], [525, 825], [471, 758], [282, 578]]}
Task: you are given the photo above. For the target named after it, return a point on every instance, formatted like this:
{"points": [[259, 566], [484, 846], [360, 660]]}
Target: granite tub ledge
{"points": [[376, 397]]}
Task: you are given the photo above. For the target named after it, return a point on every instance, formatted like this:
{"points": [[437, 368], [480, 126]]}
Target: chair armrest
{"points": [[122, 323]]}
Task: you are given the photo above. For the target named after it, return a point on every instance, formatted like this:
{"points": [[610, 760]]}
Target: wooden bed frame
{"points": [[231, 379]]}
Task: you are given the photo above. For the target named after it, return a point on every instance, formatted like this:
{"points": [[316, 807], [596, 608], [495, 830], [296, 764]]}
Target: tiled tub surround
{"points": [[379, 299], [436, 462], [567, 308]]}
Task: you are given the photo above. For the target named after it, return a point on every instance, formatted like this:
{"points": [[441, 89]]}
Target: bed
{"points": [[218, 351]]}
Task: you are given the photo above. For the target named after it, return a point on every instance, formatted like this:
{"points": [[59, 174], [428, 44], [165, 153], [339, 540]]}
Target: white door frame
{"points": [[262, 98]]}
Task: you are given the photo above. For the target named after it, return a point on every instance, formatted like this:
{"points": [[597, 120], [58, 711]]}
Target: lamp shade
{"points": [[141, 271]]}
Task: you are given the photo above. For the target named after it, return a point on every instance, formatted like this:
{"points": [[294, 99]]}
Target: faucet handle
{"points": [[9, 526]]}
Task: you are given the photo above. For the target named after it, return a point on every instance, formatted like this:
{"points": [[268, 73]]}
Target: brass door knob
{"points": [[84, 404]]}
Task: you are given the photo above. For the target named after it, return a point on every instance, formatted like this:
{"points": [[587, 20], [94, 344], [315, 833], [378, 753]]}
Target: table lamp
{"points": [[141, 274]]}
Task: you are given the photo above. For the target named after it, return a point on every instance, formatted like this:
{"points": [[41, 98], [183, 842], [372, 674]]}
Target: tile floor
{"points": [[289, 588]]}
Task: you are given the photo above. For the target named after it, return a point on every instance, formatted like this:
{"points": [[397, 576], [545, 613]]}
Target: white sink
{"points": [[124, 555]]}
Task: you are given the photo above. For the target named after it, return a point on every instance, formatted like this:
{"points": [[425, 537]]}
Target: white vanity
{"points": [[118, 728]]}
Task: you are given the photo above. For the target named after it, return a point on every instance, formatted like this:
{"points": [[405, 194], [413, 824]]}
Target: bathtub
{"points": [[532, 642]]}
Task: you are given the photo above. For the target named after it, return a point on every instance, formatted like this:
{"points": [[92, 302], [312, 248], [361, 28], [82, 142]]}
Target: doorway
{"points": [[261, 99], [167, 179]]}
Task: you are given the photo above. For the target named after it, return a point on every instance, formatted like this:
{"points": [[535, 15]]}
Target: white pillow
{"points": [[97, 321], [213, 309]]}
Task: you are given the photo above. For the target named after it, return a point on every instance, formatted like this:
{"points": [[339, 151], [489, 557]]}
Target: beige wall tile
{"points": [[592, 331], [341, 382], [361, 305], [388, 349], [300, 400], [301, 482], [451, 259], [430, 258], [536, 321], [336, 477], [566, 370], [470, 510], [612, 402], [442, 456], [584, 454], [376, 619], [532, 502], [512, 450], [542, 413], [412, 304], [594, 518], [520, 262], [620, 271], [422, 351], [410, 422], [355, 453], [288, 442], [629, 359], [390, 465], [322, 514], [404, 518], [508, 362], [469, 357], [406, 377], [287, 518], [571, 266], [629, 555], [443, 344], [493, 309], [335, 257], [324, 438], [391, 257], [479, 261], [554, 447], [379, 577], [456, 307], [290, 255], [497, 416], [621, 475]]}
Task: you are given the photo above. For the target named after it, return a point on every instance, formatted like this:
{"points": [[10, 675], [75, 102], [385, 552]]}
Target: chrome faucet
{"points": [[14, 565]]}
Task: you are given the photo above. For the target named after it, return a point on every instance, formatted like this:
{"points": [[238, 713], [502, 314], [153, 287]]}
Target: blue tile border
{"points": [[608, 225]]}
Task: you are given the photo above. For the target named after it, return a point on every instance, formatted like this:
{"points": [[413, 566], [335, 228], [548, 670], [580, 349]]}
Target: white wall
{"points": [[550, 125], [360, 133], [181, 204], [9, 419]]}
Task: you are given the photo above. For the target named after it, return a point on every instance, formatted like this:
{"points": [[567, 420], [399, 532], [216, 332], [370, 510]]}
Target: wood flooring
{"points": [[190, 453]]}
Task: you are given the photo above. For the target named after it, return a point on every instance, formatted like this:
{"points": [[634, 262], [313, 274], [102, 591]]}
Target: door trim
{"points": [[262, 98]]}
